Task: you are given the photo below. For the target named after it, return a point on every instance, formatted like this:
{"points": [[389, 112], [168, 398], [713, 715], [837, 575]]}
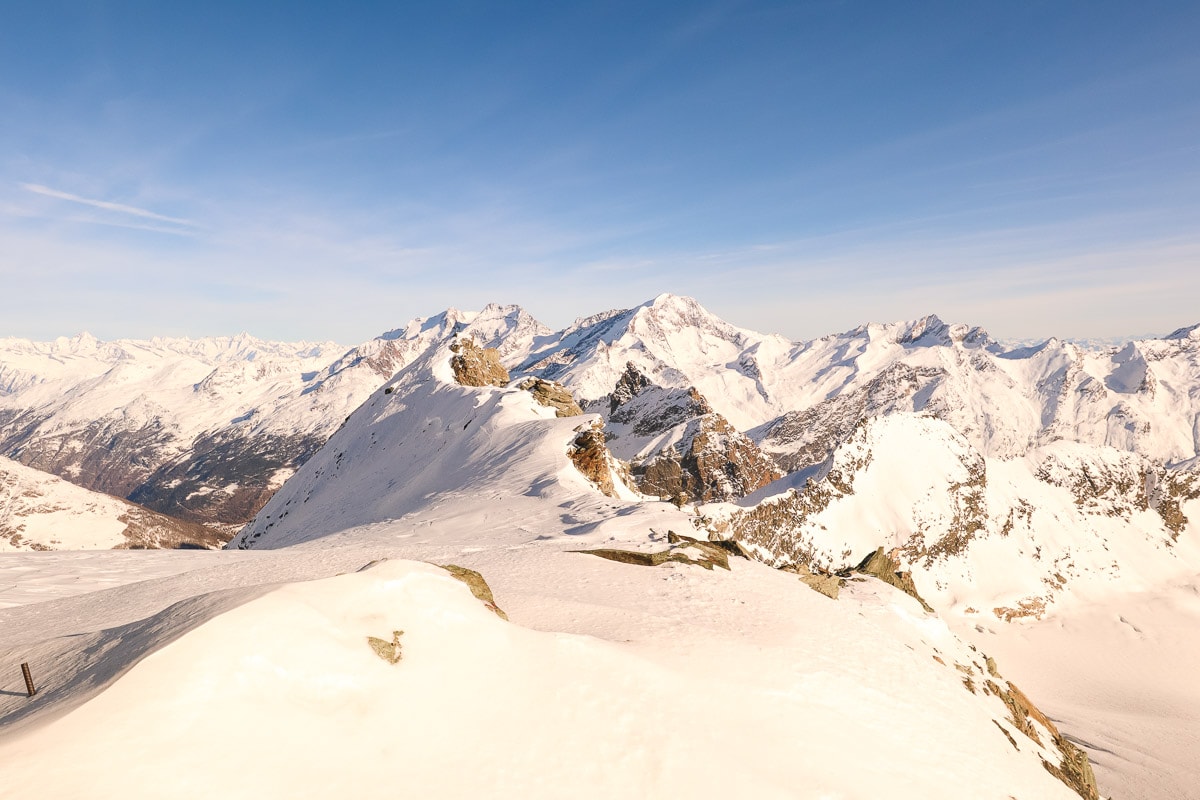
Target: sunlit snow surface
{"points": [[248, 673], [1120, 677], [611, 679]]}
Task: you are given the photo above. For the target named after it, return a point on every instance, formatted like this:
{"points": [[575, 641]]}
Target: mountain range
{"points": [[946, 490]]}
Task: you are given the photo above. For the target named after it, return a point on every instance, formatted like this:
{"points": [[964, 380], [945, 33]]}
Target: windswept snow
{"points": [[610, 680], [1036, 493]]}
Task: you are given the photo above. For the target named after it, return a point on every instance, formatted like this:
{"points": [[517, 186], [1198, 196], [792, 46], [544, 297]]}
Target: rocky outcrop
{"points": [[802, 438], [637, 410], [678, 447], [476, 366], [589, 455], [682, 550], [391, 652], [820, 582], [1073, 768], [478, 586], [1025, 726], [781, 526], [887, 569], [713, 462], [1114, 483], [969, 519], [553, 395], [1167, 494]]}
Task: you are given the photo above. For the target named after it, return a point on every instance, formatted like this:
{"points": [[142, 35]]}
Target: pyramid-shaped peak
{"points": [[680, 304], [930, 325], [673, 312], [931, 330], [80, 342]]}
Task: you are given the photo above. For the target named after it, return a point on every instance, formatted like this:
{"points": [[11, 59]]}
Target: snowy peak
{"points": [[427, 440], [1191, 333], [929, 326], [673, 341], [669, 316], [495, 326]]}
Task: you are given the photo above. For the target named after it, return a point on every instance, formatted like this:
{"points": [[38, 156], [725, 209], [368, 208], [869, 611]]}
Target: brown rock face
{"points": [[590, 456], [886, 569], [682, 550], [478, 586], [647, 408], [477, 366], [553, 395], [718, 463]]}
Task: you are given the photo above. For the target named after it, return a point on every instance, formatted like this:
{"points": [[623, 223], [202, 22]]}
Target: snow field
{"points": [[479, 706]]}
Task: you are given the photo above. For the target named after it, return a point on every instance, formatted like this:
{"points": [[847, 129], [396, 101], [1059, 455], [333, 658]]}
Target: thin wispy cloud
{"points": [[119, 208]]}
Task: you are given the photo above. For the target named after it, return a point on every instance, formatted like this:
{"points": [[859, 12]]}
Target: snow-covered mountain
{"points": [[997, 538], [39, 511], [1003, 486], [702, 410], [430, 466], [206, 429]]}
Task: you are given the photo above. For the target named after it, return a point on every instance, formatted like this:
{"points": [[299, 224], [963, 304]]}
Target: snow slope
{"points": [[205, 429], [999, 538], [1119, 675], [610, 679], [39, 511]]}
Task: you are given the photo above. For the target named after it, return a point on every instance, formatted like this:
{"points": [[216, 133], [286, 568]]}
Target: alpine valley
{"points": [[478, 557]]}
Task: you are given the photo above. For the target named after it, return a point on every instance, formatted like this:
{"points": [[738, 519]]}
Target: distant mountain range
{"points": [[702, 411], [991, 483]]}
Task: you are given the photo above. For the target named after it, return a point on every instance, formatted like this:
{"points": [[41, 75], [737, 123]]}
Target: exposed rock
{"points": [[968, 499], [388, 651], [476, 366], [704, 554], [1074, 770], [1027, 607], [552, 394], [478, 586], [887, 569], [1167, 494], [780, 525], [820, 582], [592, 459], [800, 439], [646, 408], [628, 386], [1007, 735], [734, 548], [716, 463], [679, 448]]}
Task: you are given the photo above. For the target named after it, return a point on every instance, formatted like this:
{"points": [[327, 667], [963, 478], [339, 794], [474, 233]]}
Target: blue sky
{"points": [[328, 171]]}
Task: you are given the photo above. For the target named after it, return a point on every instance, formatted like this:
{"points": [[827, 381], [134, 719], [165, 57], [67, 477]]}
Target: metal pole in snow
{"points": [[28, 679]]}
